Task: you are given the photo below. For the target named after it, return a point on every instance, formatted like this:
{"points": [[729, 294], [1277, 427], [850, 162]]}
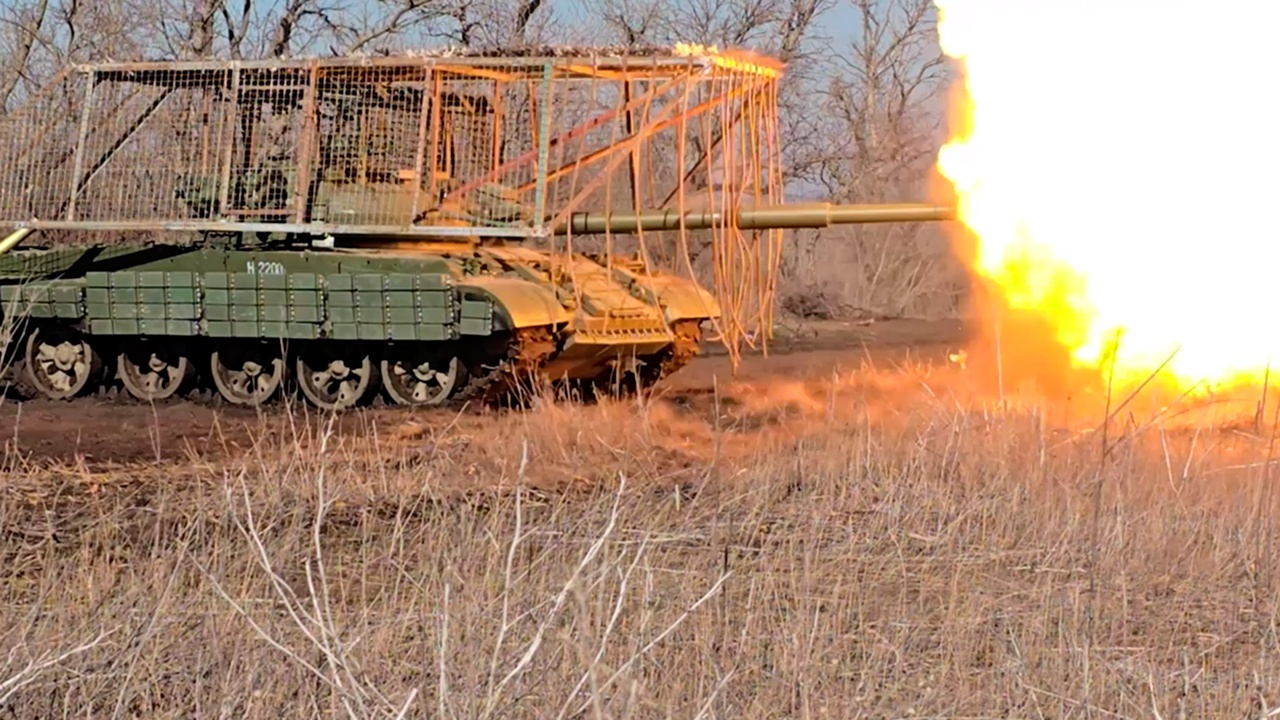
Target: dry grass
{"points": [[883, 547]]}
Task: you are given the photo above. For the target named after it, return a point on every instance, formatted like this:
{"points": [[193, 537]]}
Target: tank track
{"points": [[527, 352], [511, 375], [685, 348], [652, 370]]}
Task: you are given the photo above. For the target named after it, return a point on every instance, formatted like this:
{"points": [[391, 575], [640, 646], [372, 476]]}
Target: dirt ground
{"points": [[98, 431]]}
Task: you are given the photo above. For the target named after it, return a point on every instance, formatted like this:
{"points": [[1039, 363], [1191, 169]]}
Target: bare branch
{"points": [[26, 23]]}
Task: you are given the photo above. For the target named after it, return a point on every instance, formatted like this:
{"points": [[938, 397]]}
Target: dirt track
{"points": [[101, 431]]}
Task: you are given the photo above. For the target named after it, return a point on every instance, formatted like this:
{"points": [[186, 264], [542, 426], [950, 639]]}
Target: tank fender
{"points": [[517, 303], [679, 298]]}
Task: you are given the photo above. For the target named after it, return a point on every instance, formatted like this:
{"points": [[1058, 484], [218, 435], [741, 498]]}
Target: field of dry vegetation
{"points": [[879, 544]]}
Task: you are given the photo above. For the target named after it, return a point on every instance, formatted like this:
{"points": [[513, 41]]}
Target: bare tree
{"points": [[501, 23], [871, 134], [883, 92], [39, 37], [252, 28], [24, 26]]}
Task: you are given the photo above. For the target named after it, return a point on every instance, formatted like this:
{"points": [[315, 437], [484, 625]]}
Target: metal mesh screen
{"points": [[430, 145]]}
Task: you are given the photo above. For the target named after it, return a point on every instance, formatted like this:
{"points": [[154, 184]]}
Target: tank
{"points": [[430, 229]]}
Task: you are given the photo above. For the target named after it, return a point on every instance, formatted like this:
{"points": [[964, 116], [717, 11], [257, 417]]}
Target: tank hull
{"points": [[416, 326]]}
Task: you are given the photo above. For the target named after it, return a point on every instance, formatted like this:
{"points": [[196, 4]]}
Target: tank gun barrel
{"points": [[786, 216]]}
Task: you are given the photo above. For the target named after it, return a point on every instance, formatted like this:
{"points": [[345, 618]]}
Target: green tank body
{"points": [[354, 228]]}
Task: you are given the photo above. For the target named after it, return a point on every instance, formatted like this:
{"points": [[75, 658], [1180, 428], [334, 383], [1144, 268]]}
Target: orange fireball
{"points": [[1112, 161]]}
